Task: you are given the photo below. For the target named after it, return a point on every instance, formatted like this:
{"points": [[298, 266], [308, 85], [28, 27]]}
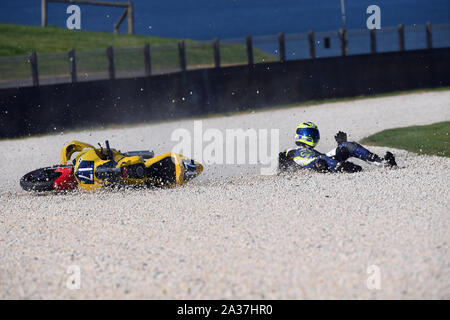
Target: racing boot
{"points": [[372, 157], [389, 159], [347, 166]]}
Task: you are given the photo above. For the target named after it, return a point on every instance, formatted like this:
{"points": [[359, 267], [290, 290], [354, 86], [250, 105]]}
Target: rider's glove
{"points": [[340, 137], [285, 159], [321, 165]]}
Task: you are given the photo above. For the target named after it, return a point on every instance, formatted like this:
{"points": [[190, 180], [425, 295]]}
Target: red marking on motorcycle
{"points": [[67, 179], [124, 172]]}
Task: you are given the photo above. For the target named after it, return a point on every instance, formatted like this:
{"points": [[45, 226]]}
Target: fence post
{"points": [[72, 66], [343, 38], [118, 23], [147, 60], [401, 37], [216, 46], [34, 68], [249, 43], [43, 13], [373, 41], [182, 52], [130, 16], [282, 47], [429, 36], [312, 47], [110, 55]]}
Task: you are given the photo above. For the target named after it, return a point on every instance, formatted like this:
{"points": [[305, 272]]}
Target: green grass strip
{"points": [[430, 139]]}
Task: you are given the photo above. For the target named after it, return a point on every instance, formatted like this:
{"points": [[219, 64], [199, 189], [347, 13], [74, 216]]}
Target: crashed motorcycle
{"points": [[93, 168]]}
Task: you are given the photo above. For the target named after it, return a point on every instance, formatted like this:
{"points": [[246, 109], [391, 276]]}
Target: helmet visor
{"points": [[311, 133]]}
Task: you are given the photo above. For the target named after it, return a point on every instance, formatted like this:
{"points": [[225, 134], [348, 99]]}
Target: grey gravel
{"points": [[235, 234]]}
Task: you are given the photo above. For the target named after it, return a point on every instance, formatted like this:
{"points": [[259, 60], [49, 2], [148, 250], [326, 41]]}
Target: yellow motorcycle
{"points": [[93, 168]]}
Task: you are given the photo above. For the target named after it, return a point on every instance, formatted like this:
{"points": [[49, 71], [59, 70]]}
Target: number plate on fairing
{"points": [[85, 172]]}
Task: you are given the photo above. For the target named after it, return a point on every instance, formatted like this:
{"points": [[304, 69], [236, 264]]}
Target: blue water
{"points": [[206, 19]]}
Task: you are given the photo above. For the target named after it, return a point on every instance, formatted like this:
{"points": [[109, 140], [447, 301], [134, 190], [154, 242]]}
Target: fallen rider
{"points": [[307, 136]]}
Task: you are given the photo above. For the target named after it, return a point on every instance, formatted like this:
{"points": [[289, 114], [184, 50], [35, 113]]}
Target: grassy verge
{"points": [[53, 43], [430, 139], [21, 40]]}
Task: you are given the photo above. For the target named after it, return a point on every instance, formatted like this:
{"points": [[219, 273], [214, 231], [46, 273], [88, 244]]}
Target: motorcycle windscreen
{"points": [[71, 148], [171, 169]]}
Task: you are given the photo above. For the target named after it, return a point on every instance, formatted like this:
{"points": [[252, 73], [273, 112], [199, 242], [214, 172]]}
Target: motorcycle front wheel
{"points": [[45, 179]]}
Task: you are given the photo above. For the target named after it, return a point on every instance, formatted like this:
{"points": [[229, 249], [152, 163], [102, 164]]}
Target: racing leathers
{"points": [[306, 157]]}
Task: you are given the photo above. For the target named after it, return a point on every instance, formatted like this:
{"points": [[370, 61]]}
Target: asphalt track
{"points": [[234, 233]]}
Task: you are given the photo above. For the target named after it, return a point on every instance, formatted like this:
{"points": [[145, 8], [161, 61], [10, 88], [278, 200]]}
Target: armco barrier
{"points": [[32, 110]]}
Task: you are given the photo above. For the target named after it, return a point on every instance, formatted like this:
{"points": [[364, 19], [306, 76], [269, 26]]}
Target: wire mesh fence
{"points": [[441, 36], [15, 71], [165, 58], [358, 41], [265, 49], [199, 55], [189, 54], [387, 39], [327, 44], [53, 67], [91, 65], [233, 53], [297, 46], [415, 37], [129, 62]]}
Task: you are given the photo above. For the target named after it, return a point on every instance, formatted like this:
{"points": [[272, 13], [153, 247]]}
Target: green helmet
{"points": [[307, 133]]}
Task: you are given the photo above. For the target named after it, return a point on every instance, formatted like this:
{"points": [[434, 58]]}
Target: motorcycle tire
{"points": [[41, 179]]}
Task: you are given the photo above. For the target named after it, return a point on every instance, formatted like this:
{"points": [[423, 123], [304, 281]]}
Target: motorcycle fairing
{"points": [[71, 148], [171, 169], [91, 167]]}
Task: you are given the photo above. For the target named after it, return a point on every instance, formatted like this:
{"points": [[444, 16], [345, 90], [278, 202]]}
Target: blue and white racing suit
{"points": [[308, 158]]}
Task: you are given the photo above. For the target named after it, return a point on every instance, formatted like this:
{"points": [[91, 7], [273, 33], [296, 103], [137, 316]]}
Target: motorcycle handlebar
{"points": [[108, 150]]}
